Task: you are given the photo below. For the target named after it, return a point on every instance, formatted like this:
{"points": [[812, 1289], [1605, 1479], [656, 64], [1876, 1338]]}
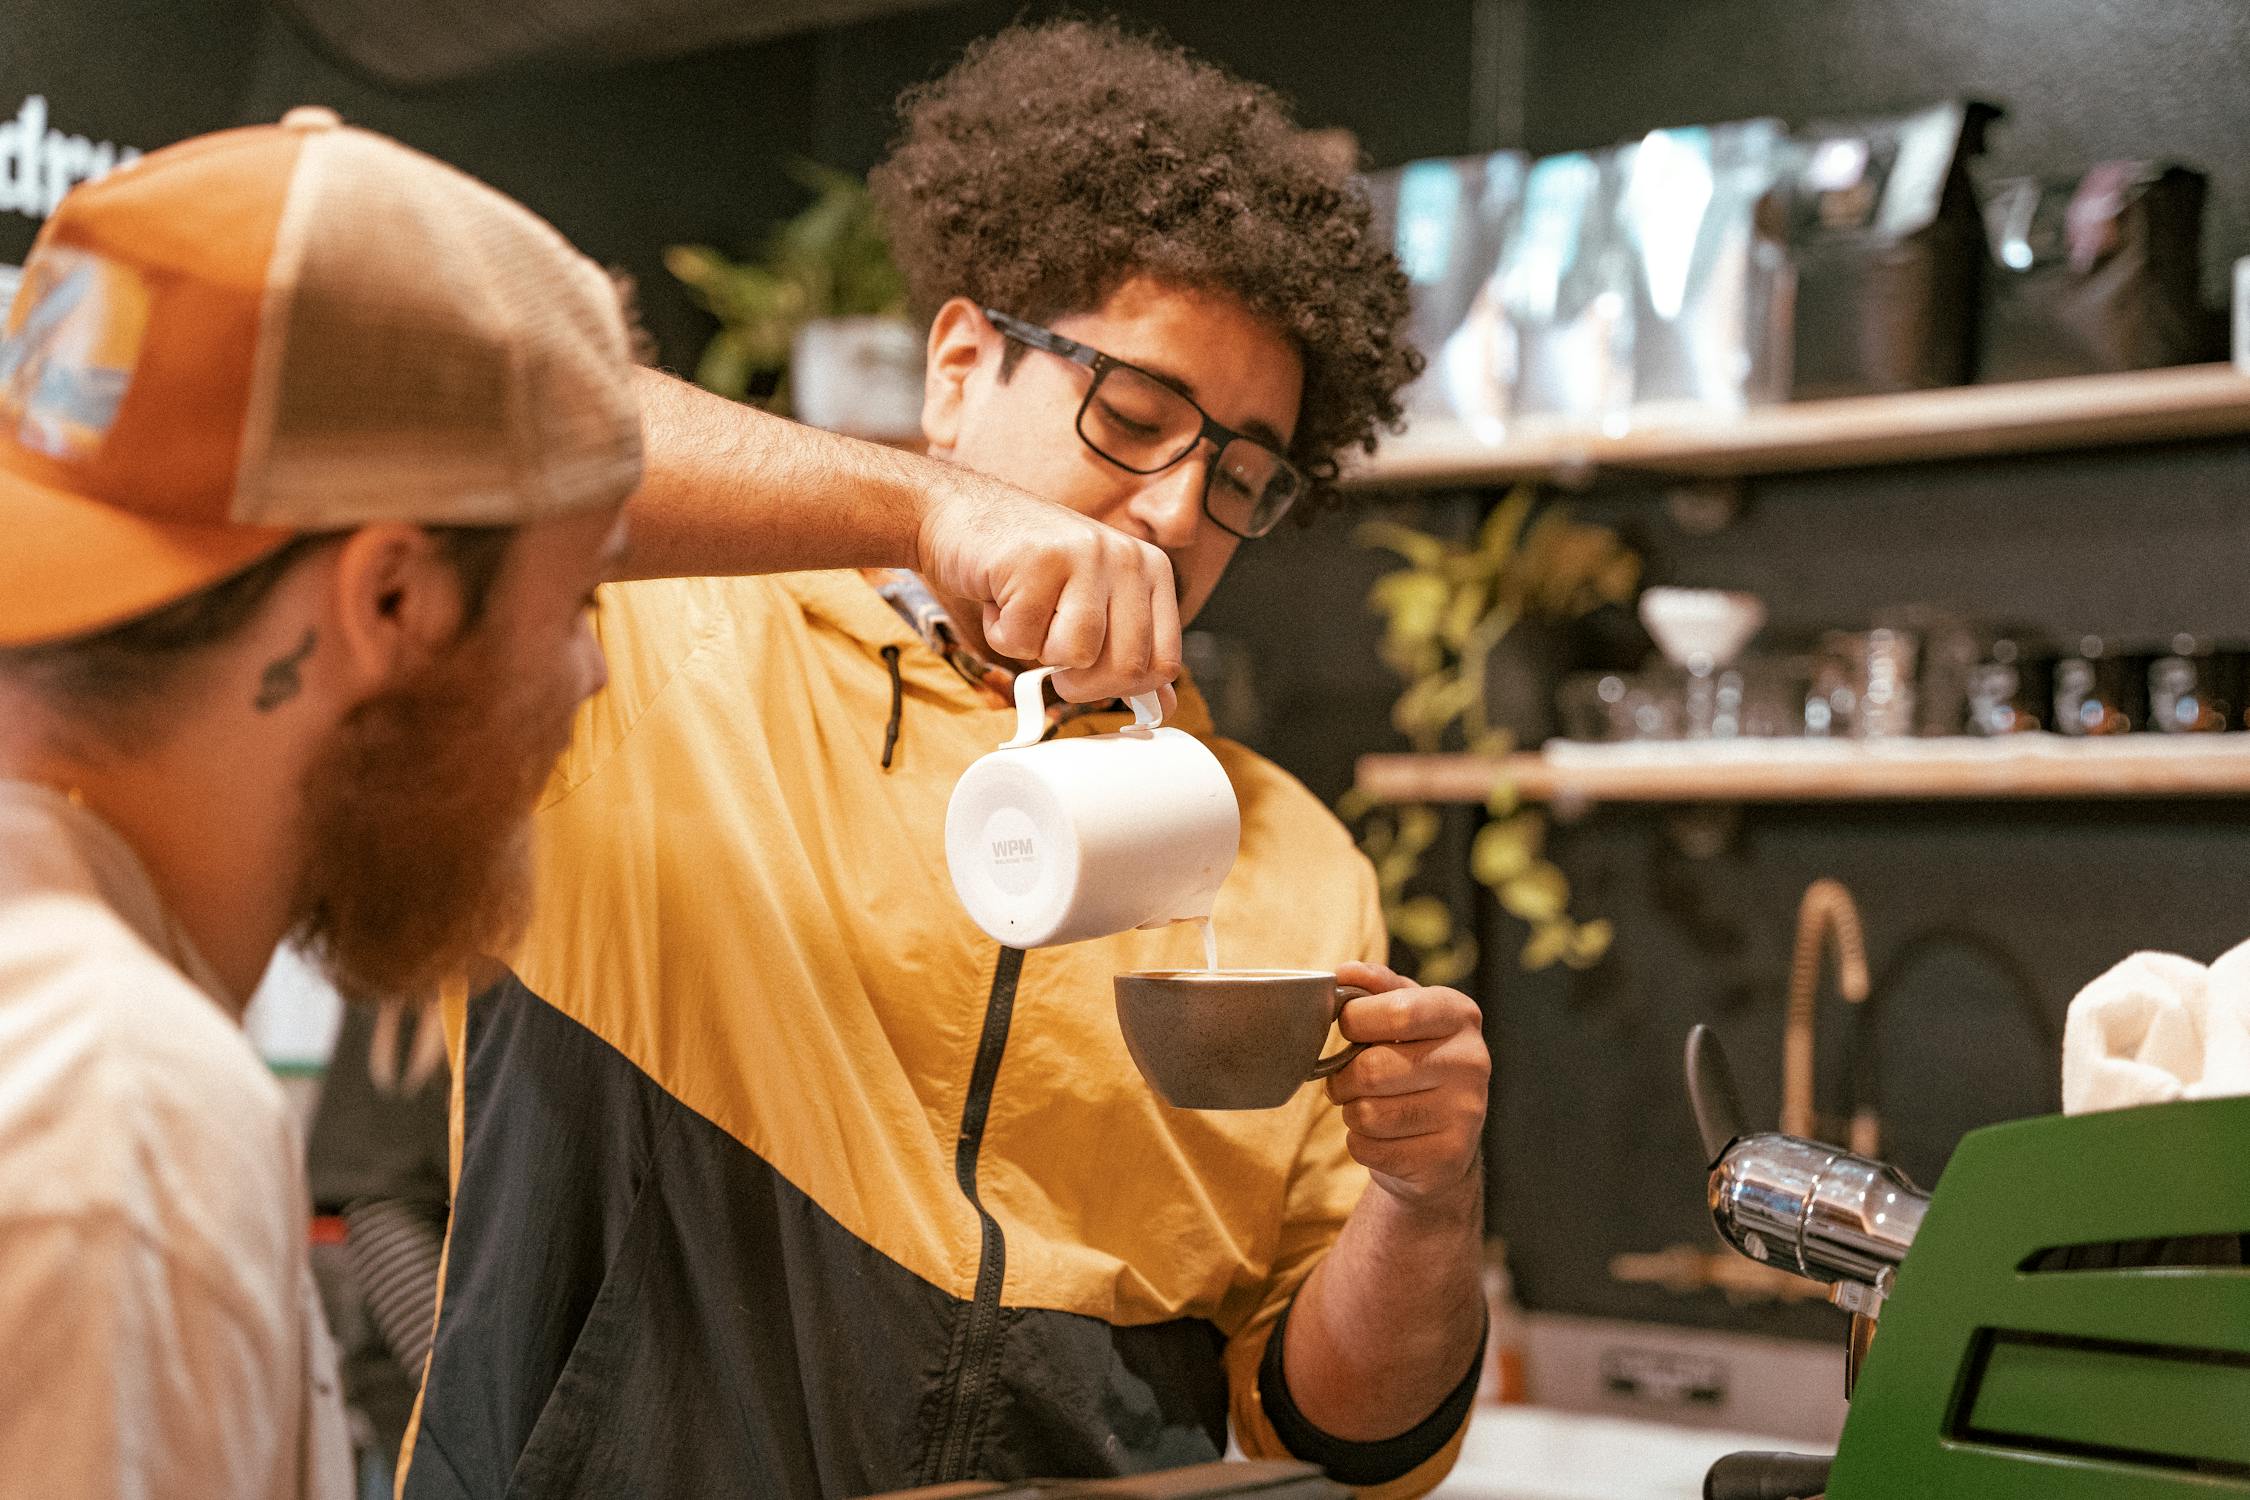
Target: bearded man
{"points": [[312, 451]]}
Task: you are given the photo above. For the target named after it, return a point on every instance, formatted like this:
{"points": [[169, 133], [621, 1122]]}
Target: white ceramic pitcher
{"points": [[1083, 837]]}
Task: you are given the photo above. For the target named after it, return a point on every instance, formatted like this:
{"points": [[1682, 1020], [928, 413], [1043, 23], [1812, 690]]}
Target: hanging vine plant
{"points": [[1445, 613]]}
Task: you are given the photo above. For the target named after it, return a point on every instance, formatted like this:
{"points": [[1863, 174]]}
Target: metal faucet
{"points": [[1827, 916], [1827, 912]]}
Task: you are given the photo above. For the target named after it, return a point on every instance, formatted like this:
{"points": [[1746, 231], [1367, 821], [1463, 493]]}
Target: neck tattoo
{"points": [[281, 680]]}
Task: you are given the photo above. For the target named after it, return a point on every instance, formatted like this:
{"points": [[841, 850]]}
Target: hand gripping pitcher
{"points": [[1080, 838]]}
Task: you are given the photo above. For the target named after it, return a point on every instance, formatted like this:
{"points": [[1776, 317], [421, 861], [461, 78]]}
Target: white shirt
{"points": [[157, 1309]]}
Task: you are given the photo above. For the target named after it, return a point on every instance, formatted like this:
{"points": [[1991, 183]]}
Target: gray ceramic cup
{"points": [[1232, 1038]]}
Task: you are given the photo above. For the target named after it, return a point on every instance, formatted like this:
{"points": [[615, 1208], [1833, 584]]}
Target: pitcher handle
{"points": [[1031, 709], [1335, 1061]]}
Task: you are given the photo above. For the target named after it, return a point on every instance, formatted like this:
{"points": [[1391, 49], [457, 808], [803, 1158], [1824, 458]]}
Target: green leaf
{"points": [[1412, 603], [1395, 868], [1456, 697], [1505, 797], [1450, 964], [1492, 744], [1502, 532], [1422, 922], [697, 267], [724, 367], [1504, 851], [1421, 712], [1421, 550], [820, 178], [1462, 612], [1590, 943], [1538, 895], [1550, 941]]}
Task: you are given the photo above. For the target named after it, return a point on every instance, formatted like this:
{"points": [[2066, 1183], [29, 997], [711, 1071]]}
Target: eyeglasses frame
{"points": [[1047, 341]]}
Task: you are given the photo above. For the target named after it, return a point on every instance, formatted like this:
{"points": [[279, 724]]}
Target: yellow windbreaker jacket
{"points": [[777, 1177]]}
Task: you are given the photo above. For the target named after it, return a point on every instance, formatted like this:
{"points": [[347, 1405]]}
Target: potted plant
{"points": [[817, 328]]}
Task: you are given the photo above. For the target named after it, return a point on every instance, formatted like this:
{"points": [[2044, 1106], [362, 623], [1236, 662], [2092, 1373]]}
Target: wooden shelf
{"points": [[2026, 767], [1976, 421]]}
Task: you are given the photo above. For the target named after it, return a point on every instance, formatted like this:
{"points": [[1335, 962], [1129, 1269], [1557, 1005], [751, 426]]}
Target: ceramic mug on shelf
{"points": [[1079, 838]]}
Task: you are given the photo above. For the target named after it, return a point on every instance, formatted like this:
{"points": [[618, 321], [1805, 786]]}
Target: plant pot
{"points": [[858, 375]]}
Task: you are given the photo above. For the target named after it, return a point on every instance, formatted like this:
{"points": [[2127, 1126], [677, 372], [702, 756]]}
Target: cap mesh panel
{"points": [[445, 356]]}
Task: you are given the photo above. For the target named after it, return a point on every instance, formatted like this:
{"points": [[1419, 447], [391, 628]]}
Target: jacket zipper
{"points": [[977, 1346]]}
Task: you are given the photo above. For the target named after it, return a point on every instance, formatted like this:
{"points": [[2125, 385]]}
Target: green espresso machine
{"points": [[2067, 1317]]}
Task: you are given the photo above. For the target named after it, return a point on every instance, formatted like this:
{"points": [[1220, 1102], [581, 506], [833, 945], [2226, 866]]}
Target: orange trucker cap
{"points": [[285, 329]]}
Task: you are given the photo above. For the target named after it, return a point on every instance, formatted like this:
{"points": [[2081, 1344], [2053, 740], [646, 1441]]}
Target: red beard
{"points": [[417, 825]]}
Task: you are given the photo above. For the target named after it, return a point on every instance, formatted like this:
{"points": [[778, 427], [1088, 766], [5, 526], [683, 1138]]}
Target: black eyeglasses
{"points": [[1145, 426]]}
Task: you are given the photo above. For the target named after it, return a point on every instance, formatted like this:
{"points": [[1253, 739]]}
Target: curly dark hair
{"points": [[1056, 161]]}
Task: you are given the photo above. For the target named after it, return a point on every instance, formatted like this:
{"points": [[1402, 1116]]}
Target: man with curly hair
{"points": [[777, 1176]]}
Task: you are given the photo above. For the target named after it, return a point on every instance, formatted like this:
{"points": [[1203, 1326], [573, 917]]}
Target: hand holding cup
{"points": [[1414, 1099]]}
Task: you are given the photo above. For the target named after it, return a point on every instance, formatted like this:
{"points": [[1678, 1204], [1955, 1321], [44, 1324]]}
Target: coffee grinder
{"points": [[2066, 1317]]}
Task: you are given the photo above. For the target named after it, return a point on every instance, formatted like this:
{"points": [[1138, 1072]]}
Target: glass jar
{"points": [[2011, 691], [2193, 687], [2094, 690]]}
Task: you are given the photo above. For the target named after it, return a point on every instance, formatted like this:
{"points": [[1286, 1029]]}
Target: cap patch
{"points": [[73, 340]]}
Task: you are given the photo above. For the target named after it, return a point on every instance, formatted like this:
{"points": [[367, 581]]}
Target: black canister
{"points": [[2193, 687], [2011, 690], [2097, 691]]}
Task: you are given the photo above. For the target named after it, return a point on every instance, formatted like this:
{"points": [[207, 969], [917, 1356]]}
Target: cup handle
{"points": [[1031, 709], [1334, 1061]]}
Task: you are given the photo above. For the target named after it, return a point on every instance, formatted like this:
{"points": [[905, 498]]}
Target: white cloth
{"points": [[2159, 1027], [156, 1302]]}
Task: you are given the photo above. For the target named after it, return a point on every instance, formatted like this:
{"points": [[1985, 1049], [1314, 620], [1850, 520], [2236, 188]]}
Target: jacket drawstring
{"points": [[898, 705]]}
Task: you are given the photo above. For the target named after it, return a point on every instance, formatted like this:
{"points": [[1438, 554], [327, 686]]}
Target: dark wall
{"points": [[624, 162], [628, 160], [1340, 62]]}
